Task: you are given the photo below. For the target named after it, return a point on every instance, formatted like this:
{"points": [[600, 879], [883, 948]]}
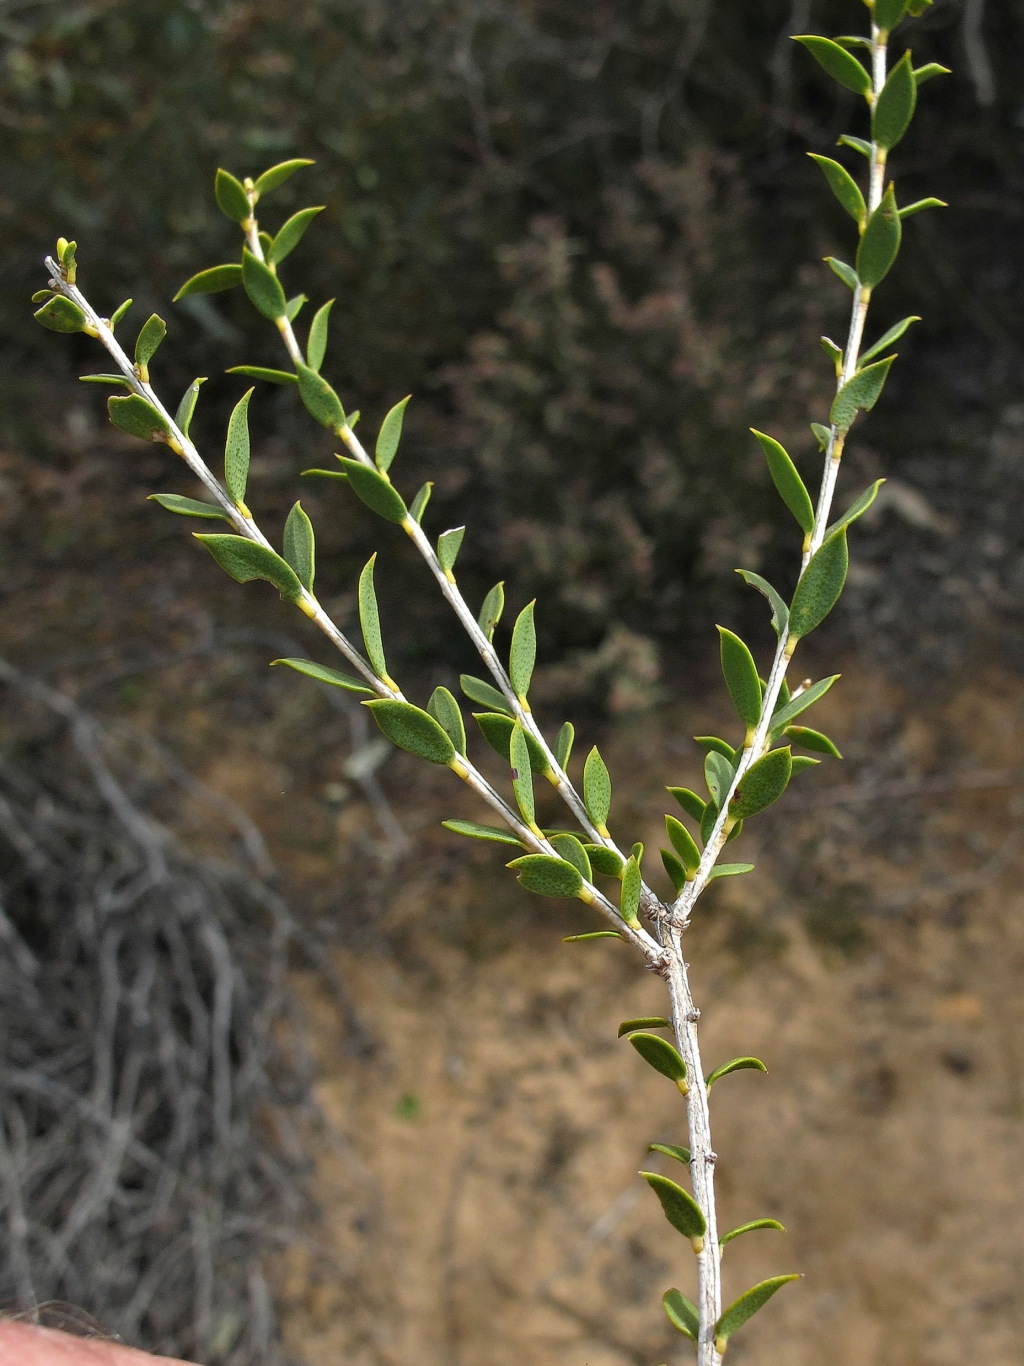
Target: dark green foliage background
{"points": [[587, 238]]}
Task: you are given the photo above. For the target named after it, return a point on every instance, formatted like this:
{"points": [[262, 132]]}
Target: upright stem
{"points": [[702, 1156]]}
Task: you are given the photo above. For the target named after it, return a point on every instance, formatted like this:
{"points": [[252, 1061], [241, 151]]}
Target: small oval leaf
{"points": [[316, 346], [278, 174], [549, 876], [563, 744], [662, 1056], [211, 281], [490, 611], [820, 586], [894, 107], [153, 331], [741, 677], [681, 1313], [291, 234], [786, 479], [644, 1022], [880, 244], [496, 729], [523, 652], [449, 543], [736, 1065], [188, 507], [841, 65], [61, 315], [477, 690], [753, 1225], [475, 831], [369, 619], [812, 739], [137, 416], [605, 860], [445, 711], [632, 885], [780, 612], [231, 197], [236, 450], [671, 1150], [597, 789], [245, 560], [794, 706], [187, 406], [762, 784], [522, 772], [683, 843], [262, 286], [390, 435], [373, 489], [568, 847], [843, 186], [413, 730], [747, 1306], [681, 1210], [692, 804], [299, 546], [320, 400], [322, 674]]}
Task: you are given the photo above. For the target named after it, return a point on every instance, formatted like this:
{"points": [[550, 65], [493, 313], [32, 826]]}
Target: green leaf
{"points": [[605, 860], [291, 234], [445, 711], [61, 315], [41, 296], [750, 1228], [316, 346], [812, 739], [390, 434], [120, 311], [597, 789], [858, 145], [320, 399], [856, 508], [293, 307], [568, 847], [211, 281], [762, 784], [791, 487], [692, 804], [369, 620], [644, 1022], [137, 416], [153, 331], [840, 64], [682, 1313], [299, 546], [523, 652], [236, 451], [802, 761], [820, 586], [707, 821], [888, 13], [231, 197], [822, 434], [245, 560], [888, 338], [929, 71], [792, 709], [671, 1150], [732, 869], [491, 610], [674, 867], [594, 934], [780, 612], [479, 691], [264, 373], [522, 773], [563, 744], [262, 286], [375, 490], [846, 273], [632, 885], [187, 406], [278, 174], [741, 677], [844, 187], [894, 107], [661, 1055], [863, 391], [413, 730], [324, 675], [718, 774], [188, 507], [119, 380], [919, 205], [880, 244], [918, 7], [474, 831], [449, 543], [418, 506], [746, 1307], [834, 353], [681, 1210], [550, 877], [496, 728], [736, 1065], [683, 843]]}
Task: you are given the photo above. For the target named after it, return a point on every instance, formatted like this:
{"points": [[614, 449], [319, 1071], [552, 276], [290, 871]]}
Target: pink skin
{"points": [[23, 1344]]}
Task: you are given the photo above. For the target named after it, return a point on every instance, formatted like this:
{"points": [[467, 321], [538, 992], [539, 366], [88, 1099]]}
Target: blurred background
{"points": [[290, 1075]]}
